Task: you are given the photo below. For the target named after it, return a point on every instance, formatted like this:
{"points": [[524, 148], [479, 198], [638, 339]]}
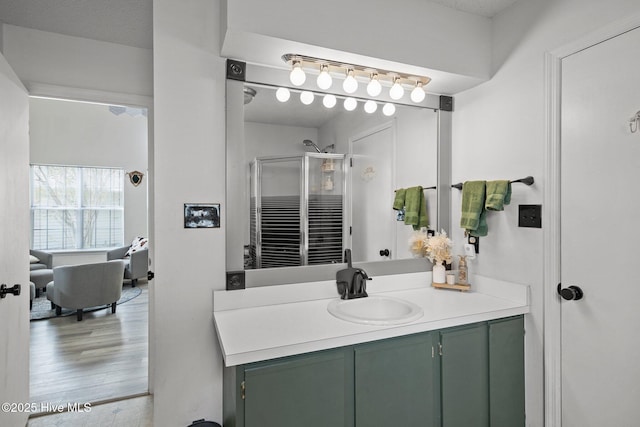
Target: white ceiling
{"points": [[129, 22], [488, 8]]}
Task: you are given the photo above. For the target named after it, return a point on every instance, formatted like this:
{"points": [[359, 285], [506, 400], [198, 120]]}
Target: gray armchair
{"points": [[136, 265], [86, 285], [45, 260]]}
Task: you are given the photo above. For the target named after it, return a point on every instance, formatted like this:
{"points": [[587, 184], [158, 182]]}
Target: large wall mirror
{"points": [[304, 182]]}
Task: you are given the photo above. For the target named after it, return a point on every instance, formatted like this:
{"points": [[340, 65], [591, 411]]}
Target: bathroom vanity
{"points": [[290, 362]]}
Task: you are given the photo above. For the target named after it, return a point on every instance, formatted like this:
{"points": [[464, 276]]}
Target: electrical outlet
{"points": [[530, 216]]}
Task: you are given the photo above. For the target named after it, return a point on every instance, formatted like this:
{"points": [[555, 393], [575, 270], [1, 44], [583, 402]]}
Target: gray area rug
{"points": [[42, 306]]}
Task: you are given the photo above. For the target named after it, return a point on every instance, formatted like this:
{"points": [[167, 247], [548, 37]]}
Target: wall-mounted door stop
{"points": [[4, 290]]}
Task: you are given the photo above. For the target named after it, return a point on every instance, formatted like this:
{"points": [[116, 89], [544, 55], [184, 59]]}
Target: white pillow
{"points": [[137, 244], [33, 260]]}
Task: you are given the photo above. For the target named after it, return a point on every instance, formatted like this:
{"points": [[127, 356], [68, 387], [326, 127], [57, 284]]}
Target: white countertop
{"points": [[275, 321]]}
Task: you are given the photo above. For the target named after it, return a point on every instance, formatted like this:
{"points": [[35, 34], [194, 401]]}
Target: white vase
{"points": [[439, 273]]}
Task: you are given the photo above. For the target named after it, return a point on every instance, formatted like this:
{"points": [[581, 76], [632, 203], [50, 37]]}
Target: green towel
{"points": [[498, 195], [482, 229], [398, 202], [473, 216], [416, 208]]}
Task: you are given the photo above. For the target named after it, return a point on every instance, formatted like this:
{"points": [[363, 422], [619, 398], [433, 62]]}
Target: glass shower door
{"points": [[278, 193], [325, 208]]}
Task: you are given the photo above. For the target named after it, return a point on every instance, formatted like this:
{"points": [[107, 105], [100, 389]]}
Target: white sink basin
{"points": [[375, 310]]}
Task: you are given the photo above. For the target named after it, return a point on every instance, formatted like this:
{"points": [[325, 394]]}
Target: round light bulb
{"points": [[329, 101], [417, 94], [297, 75], [370, 106], [283, 94], [374, 88], [389, 109], [306, 97], [397, 91], [350, 104], [350, 84], [324, 80]]}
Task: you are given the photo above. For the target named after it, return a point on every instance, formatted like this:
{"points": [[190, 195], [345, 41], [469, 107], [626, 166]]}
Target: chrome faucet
{"points": [[352, 282]]}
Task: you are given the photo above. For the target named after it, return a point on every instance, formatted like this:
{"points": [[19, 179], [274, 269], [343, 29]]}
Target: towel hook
{"points": [[633, 122]]}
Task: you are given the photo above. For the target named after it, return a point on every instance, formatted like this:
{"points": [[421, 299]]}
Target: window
{"points": [[76, 207]]}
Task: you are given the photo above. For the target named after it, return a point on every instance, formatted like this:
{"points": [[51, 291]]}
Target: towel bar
{"points": [[424, 188], [526, 180]]}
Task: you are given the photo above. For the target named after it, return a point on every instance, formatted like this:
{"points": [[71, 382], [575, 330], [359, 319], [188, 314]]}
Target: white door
{"points": [[14, 247], [372, 194], [600, 210]]}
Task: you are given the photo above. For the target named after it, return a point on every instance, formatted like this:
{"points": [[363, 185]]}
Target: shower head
{"points": [[310, 143]]}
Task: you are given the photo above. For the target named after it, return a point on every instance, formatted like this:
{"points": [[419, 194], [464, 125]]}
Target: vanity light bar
{"points": [[363, 72], [350, 103]]}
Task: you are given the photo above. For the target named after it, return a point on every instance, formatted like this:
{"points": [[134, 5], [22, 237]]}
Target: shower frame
{"points": [[256, 192]]}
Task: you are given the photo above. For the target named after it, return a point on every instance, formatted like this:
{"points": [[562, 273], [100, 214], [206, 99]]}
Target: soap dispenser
{"points": [[463, 278]]}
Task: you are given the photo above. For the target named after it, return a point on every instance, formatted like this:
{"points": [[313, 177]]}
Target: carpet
{"points": [[42, 306]]}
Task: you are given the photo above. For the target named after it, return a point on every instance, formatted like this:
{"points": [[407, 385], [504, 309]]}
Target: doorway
{"points": [[591, 375], [105, 356], [372, 178]]}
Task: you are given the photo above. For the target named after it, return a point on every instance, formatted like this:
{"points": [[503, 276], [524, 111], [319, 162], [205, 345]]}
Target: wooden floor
{"points": [[101, 358]]}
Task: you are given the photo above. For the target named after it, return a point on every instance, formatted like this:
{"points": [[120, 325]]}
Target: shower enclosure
{"points": [[297, 210]]}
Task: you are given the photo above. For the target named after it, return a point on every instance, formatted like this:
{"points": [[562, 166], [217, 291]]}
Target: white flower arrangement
{"points": [[438, 248], [417, 242]]}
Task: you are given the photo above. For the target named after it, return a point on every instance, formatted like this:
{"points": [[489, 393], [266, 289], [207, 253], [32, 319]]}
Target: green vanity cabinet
{"points": [[396, 382], [470, 375], [482, 368], [506, 372], [464, 362], [311, 390]]}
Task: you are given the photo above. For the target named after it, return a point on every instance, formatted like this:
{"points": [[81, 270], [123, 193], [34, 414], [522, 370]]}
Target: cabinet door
{"points": [[465, 376], [395, 384], [309, 390], [506, 372]]}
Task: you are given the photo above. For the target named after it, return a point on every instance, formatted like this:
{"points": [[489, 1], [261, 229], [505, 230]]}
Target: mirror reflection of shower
{"points": [[294, 224], [327, 149]]}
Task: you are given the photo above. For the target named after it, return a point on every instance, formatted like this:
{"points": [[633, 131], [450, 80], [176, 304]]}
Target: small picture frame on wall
{"points": [[202, 215]]}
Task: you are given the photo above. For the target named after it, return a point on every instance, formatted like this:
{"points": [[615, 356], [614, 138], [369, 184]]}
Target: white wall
{"points": [[189, 95], [414, 32], [273, 140], [40, 57], [499, 133], [82, 134]]}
